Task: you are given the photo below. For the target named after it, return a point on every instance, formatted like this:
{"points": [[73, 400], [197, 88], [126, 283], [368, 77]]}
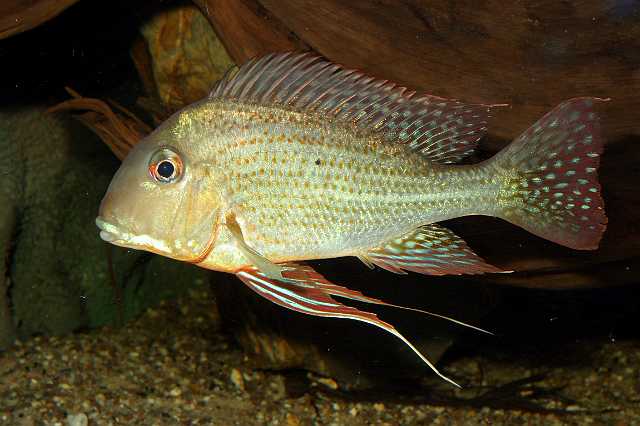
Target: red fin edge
{"points": [[306, 291]]}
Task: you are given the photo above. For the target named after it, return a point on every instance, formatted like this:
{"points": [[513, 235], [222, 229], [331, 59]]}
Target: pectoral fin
{"points": [[304, 290], [430, 250], [269, 268]]}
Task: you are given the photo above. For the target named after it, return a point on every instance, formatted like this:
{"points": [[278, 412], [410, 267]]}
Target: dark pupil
{"points": [[166, 169]]}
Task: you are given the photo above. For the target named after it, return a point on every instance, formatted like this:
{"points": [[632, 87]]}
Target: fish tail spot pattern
{"points": [[552, 187]]}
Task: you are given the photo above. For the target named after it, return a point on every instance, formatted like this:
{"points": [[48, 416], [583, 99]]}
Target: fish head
{"points": [[161, 199]]}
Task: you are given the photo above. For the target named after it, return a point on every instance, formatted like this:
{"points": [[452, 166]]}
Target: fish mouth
{"points": [[113, 234]]}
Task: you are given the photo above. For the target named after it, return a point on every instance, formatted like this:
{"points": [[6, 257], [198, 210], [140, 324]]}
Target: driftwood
{"points": [[247, 29], [17, 16], [530, 55]]}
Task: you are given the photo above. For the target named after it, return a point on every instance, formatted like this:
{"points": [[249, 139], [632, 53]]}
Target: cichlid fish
{"points": [[295, 158]]}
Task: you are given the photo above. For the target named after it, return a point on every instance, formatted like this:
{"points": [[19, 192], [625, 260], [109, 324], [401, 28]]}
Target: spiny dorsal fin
{"points": [[429, 250], [444, 131]]}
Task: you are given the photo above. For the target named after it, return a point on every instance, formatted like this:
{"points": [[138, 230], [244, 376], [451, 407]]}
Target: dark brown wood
{"points": [[17, 16], [247, 30], [543, 264], [530, 54]]}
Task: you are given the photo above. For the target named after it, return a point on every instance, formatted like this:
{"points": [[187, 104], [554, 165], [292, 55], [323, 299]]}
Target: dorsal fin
{"points": [[444, 131]]}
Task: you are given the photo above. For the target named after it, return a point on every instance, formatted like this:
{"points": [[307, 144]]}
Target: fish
{"points": [[293, 158]]}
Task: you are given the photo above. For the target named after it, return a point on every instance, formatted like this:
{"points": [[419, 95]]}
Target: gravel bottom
{"points": [[174, 366]]}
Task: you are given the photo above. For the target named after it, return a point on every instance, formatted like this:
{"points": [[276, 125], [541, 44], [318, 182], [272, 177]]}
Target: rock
{"points": [[7, 229], [328, 382], [54, 173], [79, 419], [186, 56], [293, 420], [236, 379]]}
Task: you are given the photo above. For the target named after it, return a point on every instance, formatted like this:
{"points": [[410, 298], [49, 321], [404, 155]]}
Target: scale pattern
{"points": [[305, 188]]}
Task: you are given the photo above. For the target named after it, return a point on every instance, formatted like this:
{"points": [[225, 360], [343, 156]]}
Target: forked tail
{"points": [[551, 177]]}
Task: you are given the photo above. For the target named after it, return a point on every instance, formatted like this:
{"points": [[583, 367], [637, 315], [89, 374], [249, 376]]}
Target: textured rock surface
{"points": [[54, 173], [186, 55]]}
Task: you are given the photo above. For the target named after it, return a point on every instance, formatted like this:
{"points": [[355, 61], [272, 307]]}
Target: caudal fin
{"points": [[551, 177]]}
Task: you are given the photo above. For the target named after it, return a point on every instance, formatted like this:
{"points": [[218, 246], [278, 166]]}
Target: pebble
{"points": [[145, 375], [79, 419], [236, 379], [328, 382], [293, 420]]}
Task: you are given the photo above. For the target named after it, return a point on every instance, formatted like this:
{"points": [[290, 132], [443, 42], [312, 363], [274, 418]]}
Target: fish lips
{"points": [[111, 233], [115, 235]]}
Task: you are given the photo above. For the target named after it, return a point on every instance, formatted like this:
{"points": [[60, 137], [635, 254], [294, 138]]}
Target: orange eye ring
{"points": [[165, 166]]}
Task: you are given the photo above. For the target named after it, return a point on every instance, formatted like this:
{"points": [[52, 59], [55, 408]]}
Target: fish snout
{"points": [[105, 204], [109, 232]]}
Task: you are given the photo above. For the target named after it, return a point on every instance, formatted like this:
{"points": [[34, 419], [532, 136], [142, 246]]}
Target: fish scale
{"points": [[387, 189]]}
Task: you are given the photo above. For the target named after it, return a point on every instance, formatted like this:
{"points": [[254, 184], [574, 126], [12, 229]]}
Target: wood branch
{"points": [[17, 16]]}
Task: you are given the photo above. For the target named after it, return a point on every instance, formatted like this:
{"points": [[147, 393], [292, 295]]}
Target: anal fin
{"points": [[430, 250]]}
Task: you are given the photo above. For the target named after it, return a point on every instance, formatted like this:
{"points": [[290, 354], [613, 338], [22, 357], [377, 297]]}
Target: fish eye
{"points": [[165, 169], [165, 166]]}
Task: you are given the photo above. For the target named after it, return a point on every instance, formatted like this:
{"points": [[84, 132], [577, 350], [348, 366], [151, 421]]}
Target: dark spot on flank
{"points": [[318, 162]]}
